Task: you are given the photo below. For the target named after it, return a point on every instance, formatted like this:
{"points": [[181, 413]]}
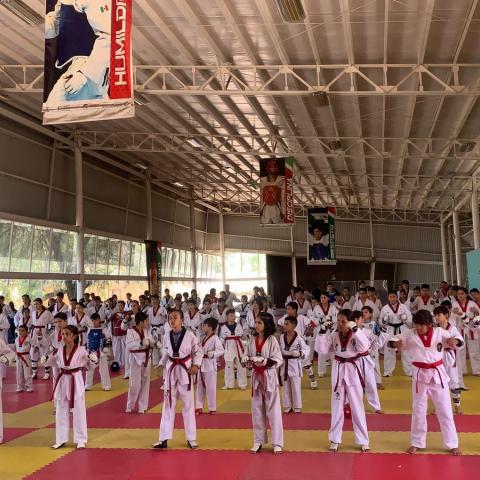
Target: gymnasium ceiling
{"points": [[401, 79]]}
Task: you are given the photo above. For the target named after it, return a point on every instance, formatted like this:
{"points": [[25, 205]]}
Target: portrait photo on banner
{"points": [[276, 191], [321, 236], [88, 73]]}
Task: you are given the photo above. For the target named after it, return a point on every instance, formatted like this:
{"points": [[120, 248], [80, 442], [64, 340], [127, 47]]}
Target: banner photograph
{"points": [[88, 73], [154, 266], [321, 236], [276, 191]]}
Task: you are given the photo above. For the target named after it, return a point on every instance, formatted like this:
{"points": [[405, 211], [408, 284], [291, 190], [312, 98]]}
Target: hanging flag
{"points": [[276, 191], [321, 236], [88, 72], [154, 266]]}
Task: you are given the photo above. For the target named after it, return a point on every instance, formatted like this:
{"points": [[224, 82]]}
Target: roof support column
{"points": [[222, 243], [458, 247], [79, 220], [193, 240], [475, 221], [293, 258], [443, 237]]}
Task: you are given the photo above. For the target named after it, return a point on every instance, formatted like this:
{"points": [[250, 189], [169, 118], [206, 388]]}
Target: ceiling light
{"points": [[467, 147], [291, 11], [321, 99], [141, 165], [140, 99], [335, 145], [22, 11], [178, 184], [194, 142]]}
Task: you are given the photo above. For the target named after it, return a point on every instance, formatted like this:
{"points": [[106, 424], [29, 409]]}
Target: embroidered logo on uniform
{"points": [[104, 9], [439, 347]]}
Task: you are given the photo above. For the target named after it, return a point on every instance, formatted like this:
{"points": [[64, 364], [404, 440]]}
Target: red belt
{"points": [[353, 361], [146, 351], [240, 348], [260, 370], [21, 355], [178, 362], [428, 366], [361, 355], [64, 371]]}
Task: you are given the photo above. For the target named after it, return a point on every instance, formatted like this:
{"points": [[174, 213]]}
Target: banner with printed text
{"points": [[88, 72], [321, 236], [153, 251], [276, 191]]}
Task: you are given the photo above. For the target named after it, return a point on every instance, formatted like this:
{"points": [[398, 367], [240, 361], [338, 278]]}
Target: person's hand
{"points": [[106, 350], [352, 326], [93, 357], [452, 342], [146, 342], [43, 359], [398, 344], [3, 360], [193, 370], [457, 311], [210, 354], [295, 353], [245, 360], [75, 82]]}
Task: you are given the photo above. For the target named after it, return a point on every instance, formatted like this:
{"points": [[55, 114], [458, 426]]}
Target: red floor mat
{"points": [[227, 465]]}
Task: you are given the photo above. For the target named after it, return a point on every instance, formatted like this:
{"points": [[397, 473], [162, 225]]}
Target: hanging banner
{"points": [[88, 72], [154, 266], [321, 236], [276, 191]]}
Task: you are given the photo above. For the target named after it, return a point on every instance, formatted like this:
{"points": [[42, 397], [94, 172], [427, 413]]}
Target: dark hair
{"points": [[74, 331], [463, 289], [95, 316], [393, 292], [23, 326], [292, 320], [325, 293], [406, 282], [442, 309], [300, 290], [422, 317], [425, 285], [268, 323], [154, 296], [211, 322], [60, 294], [474, 290], [122, 302], [139, 317], [416, 288], [356, 314], [371, 289], [346, 312], [447, 303], [61, 315], [39, 300], [368, 308], [362, 290], [229, 311], [293, 305], [171, 310]]}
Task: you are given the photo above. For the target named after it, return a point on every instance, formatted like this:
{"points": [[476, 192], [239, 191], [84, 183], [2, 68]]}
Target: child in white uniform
{"points": [[69, 391], [24, 364], [181, 359], [365, 360], [263, 355], [425, 344], [347, 379], [139, 345], [294, 350], [231, 336], [41, 321], [442, 315], [99, 341], [207, 377]]}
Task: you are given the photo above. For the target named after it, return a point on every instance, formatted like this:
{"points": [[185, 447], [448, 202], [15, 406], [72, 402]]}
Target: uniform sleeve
{"points": [[304, 348], [197, 351], [218, 349], [275, 358], [446, 335], [361, 341], [132, 341]]}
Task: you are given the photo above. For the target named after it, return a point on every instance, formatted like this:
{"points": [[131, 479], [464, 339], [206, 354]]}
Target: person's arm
{"points": [[52, 22], [275, 354], [218, 349]]}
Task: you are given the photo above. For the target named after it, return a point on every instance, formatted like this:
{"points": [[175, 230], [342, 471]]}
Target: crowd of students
{"points": [[190, 339]]}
